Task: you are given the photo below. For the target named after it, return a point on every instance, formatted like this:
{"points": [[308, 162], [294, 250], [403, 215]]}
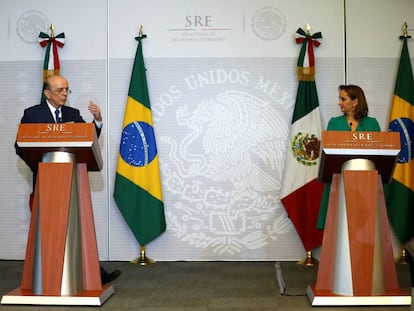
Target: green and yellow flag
{"points": [[399, 193], [138, 191]]}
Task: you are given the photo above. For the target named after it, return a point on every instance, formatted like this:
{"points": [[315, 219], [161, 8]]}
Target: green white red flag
{"points": [[301, 191], [51, 64]]}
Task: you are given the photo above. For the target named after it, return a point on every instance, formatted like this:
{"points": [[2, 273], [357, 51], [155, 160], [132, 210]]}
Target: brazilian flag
{"points": [[138, 191], [399, 193]]}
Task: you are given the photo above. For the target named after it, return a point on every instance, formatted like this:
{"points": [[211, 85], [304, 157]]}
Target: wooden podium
{"points": [[61, 265], [357, 263]]}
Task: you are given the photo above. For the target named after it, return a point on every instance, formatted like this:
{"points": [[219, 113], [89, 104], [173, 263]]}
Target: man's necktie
{"points": [[57, 115]]}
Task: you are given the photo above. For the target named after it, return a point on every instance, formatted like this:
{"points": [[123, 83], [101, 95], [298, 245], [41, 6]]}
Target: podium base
{"points": [[328, 298], [86, 298]]}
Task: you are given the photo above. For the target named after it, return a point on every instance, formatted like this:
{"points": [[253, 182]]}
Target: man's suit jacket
{"points": [[42, 114]]}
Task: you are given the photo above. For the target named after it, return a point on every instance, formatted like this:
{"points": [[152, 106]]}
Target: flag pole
{"points": [[142, 260], [403, 256], [309, 261]]}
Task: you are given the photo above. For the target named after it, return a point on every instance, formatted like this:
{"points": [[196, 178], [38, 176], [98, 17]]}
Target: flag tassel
{"points": [[142, 260], [309, 261]]}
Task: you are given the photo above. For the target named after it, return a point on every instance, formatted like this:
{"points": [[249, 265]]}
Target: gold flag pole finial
{"points": [[405, 30], [140, 31], [52, 30], [405, 34], [140, 34], [308, 29]]}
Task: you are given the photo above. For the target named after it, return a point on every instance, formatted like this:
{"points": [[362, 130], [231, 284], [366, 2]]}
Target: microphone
{"points": [[350, 126]]}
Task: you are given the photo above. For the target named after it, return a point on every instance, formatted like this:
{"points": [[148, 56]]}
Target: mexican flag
{"points": [[138, 192], [399, 194], [51, 64], [301, 191]]}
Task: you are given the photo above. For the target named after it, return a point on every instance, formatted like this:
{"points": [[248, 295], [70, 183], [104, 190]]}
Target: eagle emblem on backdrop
{"points": [[226, 172]]}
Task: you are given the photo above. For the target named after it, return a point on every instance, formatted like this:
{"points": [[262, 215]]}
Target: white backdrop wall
{"points": [[213, 67]]}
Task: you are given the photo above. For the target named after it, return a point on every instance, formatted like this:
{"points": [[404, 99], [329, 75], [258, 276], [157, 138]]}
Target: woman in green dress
{"points": [[354, 117]]}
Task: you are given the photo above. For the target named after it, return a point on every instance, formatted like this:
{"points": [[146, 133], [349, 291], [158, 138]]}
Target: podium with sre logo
{"points": [[61, 264], [357, 263]]}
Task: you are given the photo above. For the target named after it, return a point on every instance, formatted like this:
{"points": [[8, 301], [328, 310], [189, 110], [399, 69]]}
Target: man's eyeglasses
{"points": [[61, 90]]}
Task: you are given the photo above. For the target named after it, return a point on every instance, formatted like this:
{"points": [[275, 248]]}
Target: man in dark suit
{"points": [[53, 109]]}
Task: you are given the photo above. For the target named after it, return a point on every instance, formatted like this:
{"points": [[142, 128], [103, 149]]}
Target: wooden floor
{"points": [[200, 286]]}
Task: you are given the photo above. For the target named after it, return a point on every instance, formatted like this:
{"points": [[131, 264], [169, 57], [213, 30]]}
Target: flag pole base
{"points": [[142, 260], [309, 260], [403, 258]]}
